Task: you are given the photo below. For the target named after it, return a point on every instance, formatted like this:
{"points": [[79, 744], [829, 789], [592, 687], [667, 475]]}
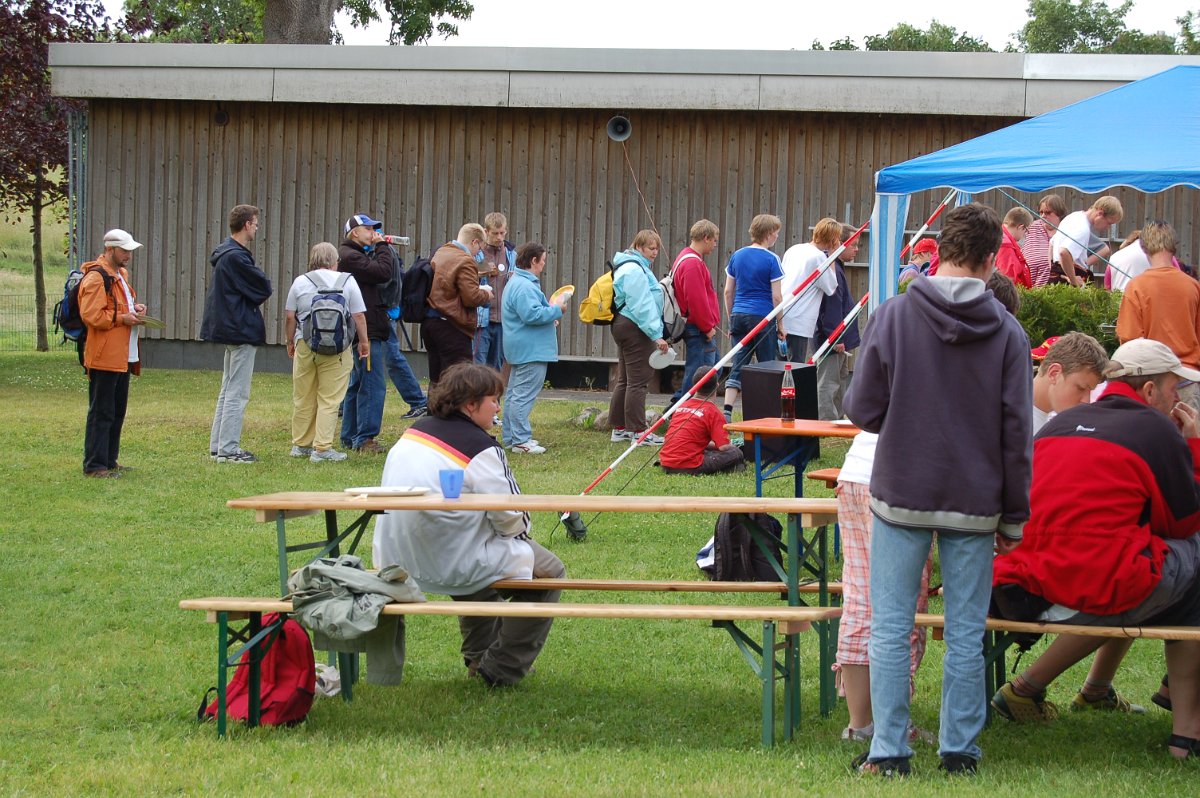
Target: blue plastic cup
{"points": [[452, 482]]}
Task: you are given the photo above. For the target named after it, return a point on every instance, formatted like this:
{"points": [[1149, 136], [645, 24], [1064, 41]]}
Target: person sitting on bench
{"points": [[1131, 559], [460, 553], [696, 442]]}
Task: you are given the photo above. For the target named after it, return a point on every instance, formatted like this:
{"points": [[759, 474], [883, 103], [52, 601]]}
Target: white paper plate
{"points": [[660, 359], [843, 422], [399, 490]]}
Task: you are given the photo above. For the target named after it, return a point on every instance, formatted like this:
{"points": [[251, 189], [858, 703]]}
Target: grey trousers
{"points": [[505, 648], [833, 377], [715, 461], [238, 368]]}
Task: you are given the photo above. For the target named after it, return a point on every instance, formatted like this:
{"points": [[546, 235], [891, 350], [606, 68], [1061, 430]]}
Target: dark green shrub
{"points": [[1057, 309]]}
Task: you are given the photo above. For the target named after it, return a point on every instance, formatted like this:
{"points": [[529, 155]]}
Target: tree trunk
{"points": [[299, 21], [39, 282]]}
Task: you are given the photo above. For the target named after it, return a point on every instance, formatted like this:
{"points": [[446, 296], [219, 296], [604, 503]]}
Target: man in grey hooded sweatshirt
{"points": [[944, 378]]}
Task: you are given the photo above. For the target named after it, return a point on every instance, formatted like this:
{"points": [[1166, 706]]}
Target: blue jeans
{"points": [[524, 384], [701, 353], [898, 556], [226, 434], [488, 346], [401, 374], [362, 410], [764, 348]]}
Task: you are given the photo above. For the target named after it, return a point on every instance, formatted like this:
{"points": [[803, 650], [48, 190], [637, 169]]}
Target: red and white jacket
{"points": [[1097, 546]]}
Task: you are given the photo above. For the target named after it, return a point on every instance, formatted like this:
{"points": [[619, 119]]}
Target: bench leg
{"points": [[256, 641], [222, 670], [995, 646], [764, 661], [254, 707], [767, 674], [791, 685], [347, 665]]}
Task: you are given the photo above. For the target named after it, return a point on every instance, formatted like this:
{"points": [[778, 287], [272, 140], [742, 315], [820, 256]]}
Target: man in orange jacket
{"points": [[110, 355]]}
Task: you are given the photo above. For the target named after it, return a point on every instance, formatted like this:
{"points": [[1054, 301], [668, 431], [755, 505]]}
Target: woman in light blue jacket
{"points": [[530, 343], [637, 329]]}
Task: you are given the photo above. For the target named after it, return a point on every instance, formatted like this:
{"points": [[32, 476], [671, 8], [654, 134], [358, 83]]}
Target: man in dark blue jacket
{"points": [[233, 317], [833, 372]]}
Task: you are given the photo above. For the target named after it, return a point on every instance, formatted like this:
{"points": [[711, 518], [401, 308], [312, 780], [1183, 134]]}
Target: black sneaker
{"points": [[896, 767], [416, 412], [959, 764]]}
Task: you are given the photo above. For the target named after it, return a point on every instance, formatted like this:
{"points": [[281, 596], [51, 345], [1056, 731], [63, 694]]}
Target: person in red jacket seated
{"points": [[1128, 558], [696, 441], [1010, 260]]}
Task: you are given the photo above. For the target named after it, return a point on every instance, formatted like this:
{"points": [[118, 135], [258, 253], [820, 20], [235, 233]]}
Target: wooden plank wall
{"points": [[167, 173]]}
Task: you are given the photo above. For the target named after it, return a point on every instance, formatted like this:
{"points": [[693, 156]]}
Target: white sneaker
{"points": [[528, 447], [329, 455], [619, 435], [650, 440], [301, 451]]}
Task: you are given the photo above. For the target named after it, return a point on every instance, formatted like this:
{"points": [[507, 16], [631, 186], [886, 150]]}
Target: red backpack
{"points": [[289, 680]]}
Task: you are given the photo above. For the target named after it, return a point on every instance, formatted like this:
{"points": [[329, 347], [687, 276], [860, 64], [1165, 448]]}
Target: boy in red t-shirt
{"points": [[696, 441]]}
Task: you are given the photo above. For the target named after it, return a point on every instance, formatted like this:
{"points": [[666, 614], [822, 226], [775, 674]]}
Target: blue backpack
{"points": [[326, 328], [66, 311]]}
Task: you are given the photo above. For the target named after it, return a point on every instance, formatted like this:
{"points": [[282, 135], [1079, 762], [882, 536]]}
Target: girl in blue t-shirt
{"points": [[752, 290]]}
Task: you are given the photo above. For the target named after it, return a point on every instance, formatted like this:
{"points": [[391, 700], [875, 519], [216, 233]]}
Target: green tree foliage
{"points": [[33, 122], [938, 38], [209, 21], [1189, 38], [1087, 26], [287, 21]]}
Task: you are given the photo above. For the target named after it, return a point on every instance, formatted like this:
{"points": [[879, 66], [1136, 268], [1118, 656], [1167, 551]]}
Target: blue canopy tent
{"points": [[1145, 135]]}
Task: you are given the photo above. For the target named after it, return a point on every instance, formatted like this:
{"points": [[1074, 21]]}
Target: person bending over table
{"points": [[460, 553], [696, 441]]}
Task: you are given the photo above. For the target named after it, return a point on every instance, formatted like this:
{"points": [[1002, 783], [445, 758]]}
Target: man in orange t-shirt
{"points": [[1163, 304]]}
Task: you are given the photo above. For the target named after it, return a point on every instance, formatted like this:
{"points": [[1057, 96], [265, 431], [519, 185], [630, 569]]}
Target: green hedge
{"points": [[1057, 309]]}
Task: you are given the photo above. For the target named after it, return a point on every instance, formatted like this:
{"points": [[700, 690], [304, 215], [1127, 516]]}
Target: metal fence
{"points": [[18, 328]]}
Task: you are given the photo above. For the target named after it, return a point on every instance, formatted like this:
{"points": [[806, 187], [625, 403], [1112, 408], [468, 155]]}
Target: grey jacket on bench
{"points": [[339, 603]]}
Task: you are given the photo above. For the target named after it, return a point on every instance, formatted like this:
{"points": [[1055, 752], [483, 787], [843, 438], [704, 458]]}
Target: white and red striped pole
{"points": [[832, 340], [782, 307]]}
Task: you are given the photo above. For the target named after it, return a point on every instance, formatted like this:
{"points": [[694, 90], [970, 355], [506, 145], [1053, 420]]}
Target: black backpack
{"points": [[736, 557], [66, 311], [391, 292], [417, 283]]}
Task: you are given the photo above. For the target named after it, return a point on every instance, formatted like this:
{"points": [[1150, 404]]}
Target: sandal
{"points": [[1161, 700], [1189, 744]]}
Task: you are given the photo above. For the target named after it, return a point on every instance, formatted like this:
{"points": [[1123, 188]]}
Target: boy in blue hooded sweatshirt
{"points": [[943, 377], [637, 329]]}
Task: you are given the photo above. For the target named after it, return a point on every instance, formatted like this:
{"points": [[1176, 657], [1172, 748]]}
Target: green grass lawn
{"points": [[104, 672]]}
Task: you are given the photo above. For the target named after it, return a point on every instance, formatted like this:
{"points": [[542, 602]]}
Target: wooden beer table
{"points": [[799, 431]]}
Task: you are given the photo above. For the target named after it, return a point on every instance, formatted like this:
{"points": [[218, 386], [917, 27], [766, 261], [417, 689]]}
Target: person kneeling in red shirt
{"points": [[696, 441]]}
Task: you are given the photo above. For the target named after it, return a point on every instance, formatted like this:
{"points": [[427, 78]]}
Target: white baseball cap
{"points": [[1143, 357], [119, 238]]}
